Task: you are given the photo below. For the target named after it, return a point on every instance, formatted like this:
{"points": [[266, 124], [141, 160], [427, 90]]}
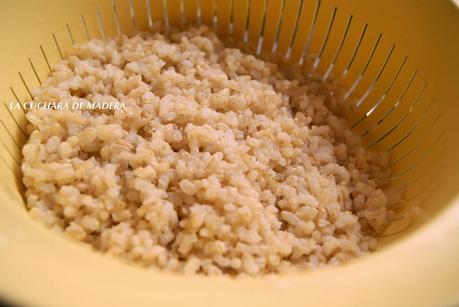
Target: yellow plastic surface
{"points": [[398, 60]]}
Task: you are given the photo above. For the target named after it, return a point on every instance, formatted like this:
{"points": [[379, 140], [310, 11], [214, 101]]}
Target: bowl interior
{"points": [[397, 61]]}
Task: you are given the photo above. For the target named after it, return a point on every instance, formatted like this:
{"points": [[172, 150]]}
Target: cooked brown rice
{"points": [[221, 163]]}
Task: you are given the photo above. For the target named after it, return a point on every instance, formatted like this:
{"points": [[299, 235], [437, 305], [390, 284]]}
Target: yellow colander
{"points": [[398, 61]]}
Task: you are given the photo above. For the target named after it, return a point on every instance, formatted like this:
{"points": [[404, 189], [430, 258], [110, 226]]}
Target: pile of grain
{"points": [[219, 164]]}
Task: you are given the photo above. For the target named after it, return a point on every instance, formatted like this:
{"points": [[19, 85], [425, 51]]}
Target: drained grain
{"points": [[220, 162]]}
